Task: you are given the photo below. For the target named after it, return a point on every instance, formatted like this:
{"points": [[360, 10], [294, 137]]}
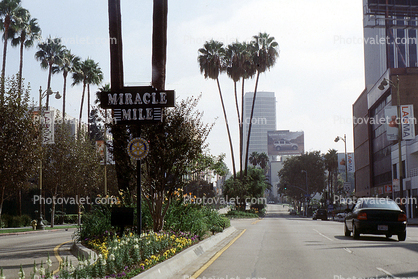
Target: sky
{"points": [[316, 79]]}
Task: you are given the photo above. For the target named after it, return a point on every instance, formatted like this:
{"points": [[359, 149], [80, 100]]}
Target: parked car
{"points": [[292, 212], [320, 214], [284, 144], [376, 216]]}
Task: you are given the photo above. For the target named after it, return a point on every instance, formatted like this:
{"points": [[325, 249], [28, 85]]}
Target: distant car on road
{"points": [[340, 216], [320, 214], [284, 145], [376, 216], [292, 212]]}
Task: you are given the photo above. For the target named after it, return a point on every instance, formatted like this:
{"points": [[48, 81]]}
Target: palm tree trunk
{"points": [[21, 65], [3, 69], [227, 129], [159, 43], [49, 85], [81, 109], [250, 124], [64, 91], [88, 108], [241, 130]]}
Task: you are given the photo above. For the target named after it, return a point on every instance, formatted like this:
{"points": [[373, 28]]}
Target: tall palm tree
{"points": [[239, 66], [87, 72], [265, 54], [27, 31], [211, 62], [10, 13], [331, 164], [67, 65], [50, 54]]}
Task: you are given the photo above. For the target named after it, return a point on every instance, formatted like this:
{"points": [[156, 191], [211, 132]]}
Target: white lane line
{"points": [[386, 272], [323, 235], [348, 250]]}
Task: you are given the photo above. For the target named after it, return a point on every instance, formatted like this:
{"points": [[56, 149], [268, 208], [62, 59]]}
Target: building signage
{"points": [[391, 113], [137, 97], [134, 105], [48, 127], [407, 122]]}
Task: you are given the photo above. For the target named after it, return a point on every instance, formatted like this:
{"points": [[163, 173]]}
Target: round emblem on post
{"points": [[138, 148]]}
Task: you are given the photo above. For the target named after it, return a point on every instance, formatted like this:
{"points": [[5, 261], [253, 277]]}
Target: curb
{"points": [[79, 250], [166, 269]]}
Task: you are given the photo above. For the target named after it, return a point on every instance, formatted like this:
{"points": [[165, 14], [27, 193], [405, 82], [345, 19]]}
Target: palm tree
{"points": [[239, 66], [263, 160], [10, 13], [254, 158], [331, 164], [50, 54], [87, 72], [27, 31], [211, 62], [265, 54], [67, 65]]}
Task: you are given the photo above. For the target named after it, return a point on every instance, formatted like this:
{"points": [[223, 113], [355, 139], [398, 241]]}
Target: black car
{"points": [[320, 214], [376, 216]]}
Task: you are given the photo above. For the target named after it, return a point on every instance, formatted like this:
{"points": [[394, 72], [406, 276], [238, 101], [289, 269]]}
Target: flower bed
{"points": [[129, 255]]}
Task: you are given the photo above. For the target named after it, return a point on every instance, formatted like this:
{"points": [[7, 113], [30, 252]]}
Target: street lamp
{"points": [[307, 192], [42, 94], [382, 85], [345, 154]]}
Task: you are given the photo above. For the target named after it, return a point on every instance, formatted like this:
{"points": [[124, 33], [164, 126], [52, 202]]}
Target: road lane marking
{"points": [[217, 255], [348, 250], [56, 254], [256, 221], [386, 272], [323, 235]]}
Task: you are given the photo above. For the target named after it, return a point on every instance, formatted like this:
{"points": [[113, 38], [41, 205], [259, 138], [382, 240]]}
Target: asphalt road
{"points": [[24, 249], [284, 246]]}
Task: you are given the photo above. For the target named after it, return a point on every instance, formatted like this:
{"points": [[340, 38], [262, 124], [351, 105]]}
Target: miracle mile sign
{"points": [[137, 105]]}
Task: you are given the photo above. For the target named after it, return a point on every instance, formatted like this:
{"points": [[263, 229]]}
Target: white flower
{"points": [[49, 262], [100, 256], [136, 246], [103, 262], [2, 277], [42, 271], [111, 257]]}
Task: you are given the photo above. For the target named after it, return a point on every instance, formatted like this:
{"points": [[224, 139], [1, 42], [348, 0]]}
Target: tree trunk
{"points": [[81, 108], [120, 136], [21, 64], [3, 70], [227, 129], [241, 131], [49, 85], [64, 92], [250, 124], [159, 43]]}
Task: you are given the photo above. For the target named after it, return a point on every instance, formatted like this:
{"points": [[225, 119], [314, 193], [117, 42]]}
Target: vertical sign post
{"points": [[138, 149]]}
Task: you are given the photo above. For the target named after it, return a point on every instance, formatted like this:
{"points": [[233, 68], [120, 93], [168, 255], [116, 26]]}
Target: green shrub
{"points": [[241, 214], [9, 221], [70, 218], [94, 223]]}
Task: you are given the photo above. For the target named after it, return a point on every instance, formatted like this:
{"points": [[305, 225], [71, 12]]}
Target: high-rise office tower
{"points": [[264, 120]]}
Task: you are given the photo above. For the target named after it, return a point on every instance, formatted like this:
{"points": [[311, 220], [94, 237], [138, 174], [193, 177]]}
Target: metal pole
{"points": [[345, 155], [40, 225], [139, 190], [399, 142]]}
